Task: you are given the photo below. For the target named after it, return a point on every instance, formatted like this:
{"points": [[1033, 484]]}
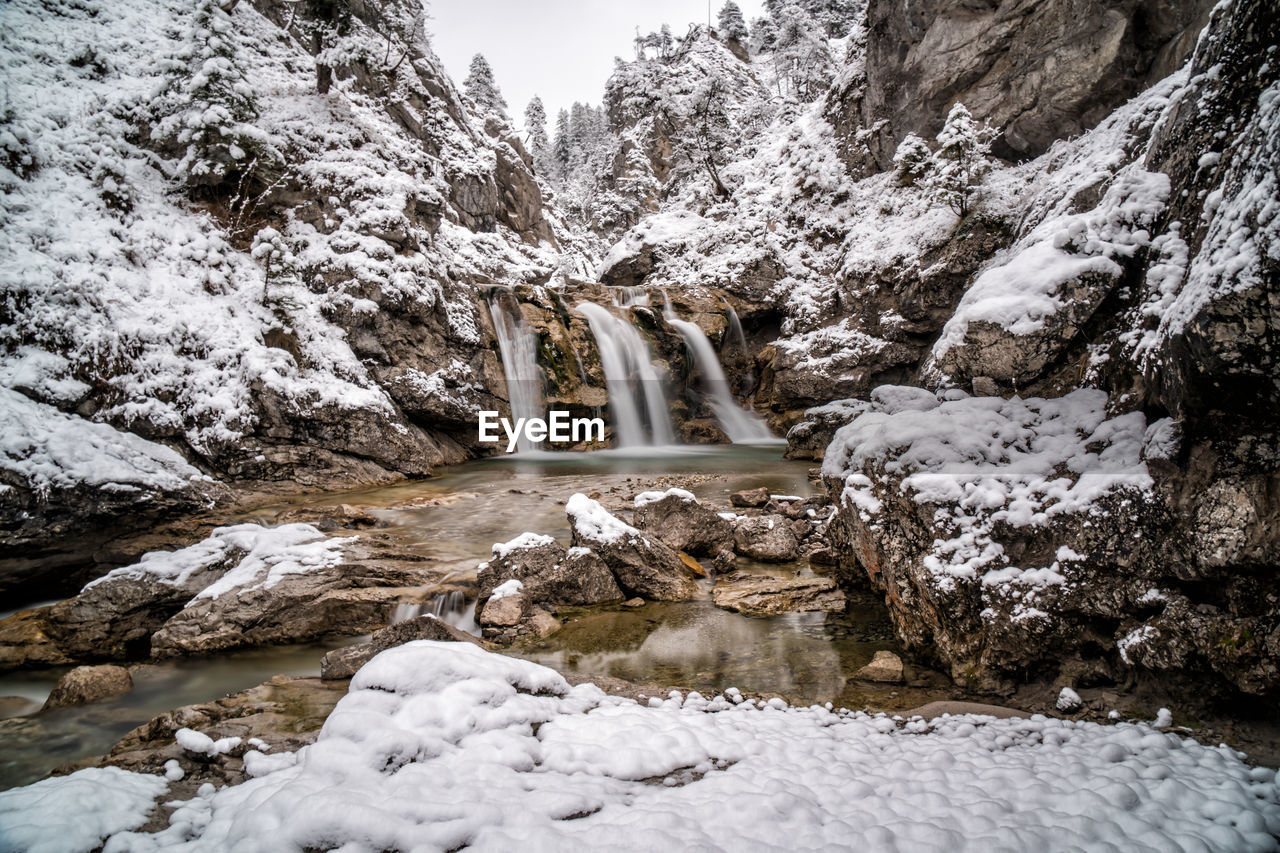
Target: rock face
{"points": [[769, 595], [343, 662], [642, 566], [680, 522], [89, 684], [1041, 71], [767, 538]]}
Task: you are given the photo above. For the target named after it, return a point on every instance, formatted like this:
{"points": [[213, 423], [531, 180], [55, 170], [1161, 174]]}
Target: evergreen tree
{"points": [[665, 41], [535, 128], [801, 56], [482, 88], [560, 151], [913, 160], [208, 111], [764, 35], [731, 23], [961, 161]]}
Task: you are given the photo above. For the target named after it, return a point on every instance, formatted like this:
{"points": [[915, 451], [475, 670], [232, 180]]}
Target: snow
{"points": [[525, 540], [594, 523], [52, 450], [73, 814], [239, 558], [201, 744], [987, 461], [442, 746], [506, 589], [1069, 701], [653, 496]]}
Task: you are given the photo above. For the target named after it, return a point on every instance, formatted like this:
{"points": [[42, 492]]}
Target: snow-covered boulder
{"points": [[547, 573], [643, 566], [678, 520]]}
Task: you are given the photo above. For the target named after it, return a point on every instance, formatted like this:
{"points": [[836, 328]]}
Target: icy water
{"points": [[453, 520]]}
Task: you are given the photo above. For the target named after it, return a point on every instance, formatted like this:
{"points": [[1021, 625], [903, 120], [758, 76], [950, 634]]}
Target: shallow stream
{"points": [[454, 519]]}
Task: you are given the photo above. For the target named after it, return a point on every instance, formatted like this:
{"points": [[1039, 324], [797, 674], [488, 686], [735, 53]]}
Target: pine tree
{"points": [[535, 128], [962, 160], [561, 153], [764, 35], [801, 55], [209, 109], [665, 41], [482, 88], [732, 26], [913, 160]]}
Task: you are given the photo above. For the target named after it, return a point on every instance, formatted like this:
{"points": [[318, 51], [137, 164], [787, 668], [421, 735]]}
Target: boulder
{"points": [[885, 667], [504, 612], [89, 684], [768, 538], [343, 662], [548, 573], [769, 595], [750, 497], [642, 566], [542, 624], [680, 522]]}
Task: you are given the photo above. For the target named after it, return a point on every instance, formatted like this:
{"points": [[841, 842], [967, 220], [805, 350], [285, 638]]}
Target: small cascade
{"points": [[519, 349], [450, 607], [627, 362], [630, 297], [741, 426], [735, 328]]}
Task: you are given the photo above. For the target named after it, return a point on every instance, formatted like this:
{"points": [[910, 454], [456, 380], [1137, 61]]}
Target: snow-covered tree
{"points": [[666, 43], [913, 160], [961, 160], [731, 23], [560, 148], [535, 128], [482, 88], [764, 35], [208, 111], [801, 55]]}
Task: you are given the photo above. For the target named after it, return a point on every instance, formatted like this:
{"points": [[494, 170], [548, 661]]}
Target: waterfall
{"points": [[626, 360], [629, 297], [450, 607], [735, 328], [519, 349], [741, 426]]}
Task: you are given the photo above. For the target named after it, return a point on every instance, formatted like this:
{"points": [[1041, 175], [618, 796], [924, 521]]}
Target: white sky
{"points": [[560, 50]]}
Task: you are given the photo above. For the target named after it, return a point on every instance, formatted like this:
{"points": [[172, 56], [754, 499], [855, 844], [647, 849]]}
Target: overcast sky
{"points": [[560, 50]]}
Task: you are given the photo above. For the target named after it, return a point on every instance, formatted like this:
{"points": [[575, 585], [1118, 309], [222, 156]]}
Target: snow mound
{"points": [[441, 746], [986, 461], [263, 557], [655, 496], [525, 540], [594, 523], [52, 450], [73, 814]]}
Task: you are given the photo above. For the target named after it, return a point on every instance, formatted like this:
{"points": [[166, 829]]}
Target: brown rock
{"points": [[768, 538], [685, 525], [543, 624], [885, 667], [750, 497], [643, 566], [769, 595], [343, 662], [504, 612], [89, 684]]}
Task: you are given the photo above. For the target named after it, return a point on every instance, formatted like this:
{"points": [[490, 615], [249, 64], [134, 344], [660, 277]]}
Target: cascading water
{"points": [[741, 426], [629, 297], [735, 328], [519, 350], [627, 361], [451, 607]]}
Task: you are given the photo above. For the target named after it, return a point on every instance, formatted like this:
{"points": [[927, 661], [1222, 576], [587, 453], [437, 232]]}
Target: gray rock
{"points": [[885, 667], [551, 575], [768, 538], [686, 525], [89, 684], [505, 612], [642, 566], [343, 662], [769, 595]]}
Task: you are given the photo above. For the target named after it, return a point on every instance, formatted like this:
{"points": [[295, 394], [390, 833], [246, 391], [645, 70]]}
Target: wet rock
{"points": [[542, 624], [885, 667], [680, 522], [89, 684], [768, 538], [725, 563], [822, 557], [642, 566], [549, 574], [750, 497], [769, 595], [343, 662], [504, 612], [633, 602]]}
